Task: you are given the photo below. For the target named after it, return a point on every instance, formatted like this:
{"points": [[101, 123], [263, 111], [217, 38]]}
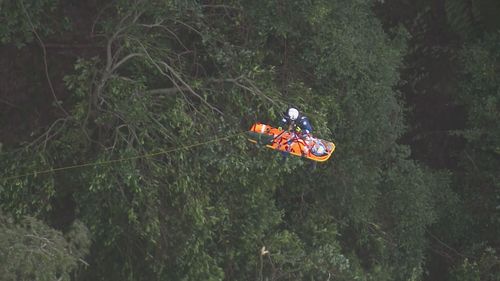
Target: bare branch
{"points": [[176, 77], [168, 67], [125, 59], [188, 26], [251, 87], [121, 27], [47, 135], [159, 25], [167, 91], [258, 91], [44, 50]]}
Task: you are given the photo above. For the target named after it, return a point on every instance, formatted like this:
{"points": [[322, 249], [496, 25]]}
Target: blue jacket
{"points": [[302, 122]]}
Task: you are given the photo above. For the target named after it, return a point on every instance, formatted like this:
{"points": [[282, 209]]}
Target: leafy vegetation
{"points": [[141, 171]]}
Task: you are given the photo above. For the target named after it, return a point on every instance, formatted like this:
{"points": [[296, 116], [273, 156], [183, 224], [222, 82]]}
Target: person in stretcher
{"points": [[298, 124]]}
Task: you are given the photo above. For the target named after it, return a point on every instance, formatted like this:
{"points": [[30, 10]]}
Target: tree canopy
{"points": [[124, 155]]}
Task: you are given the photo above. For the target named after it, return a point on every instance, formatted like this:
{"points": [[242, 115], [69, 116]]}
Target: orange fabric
{"points": [[297, 147]]}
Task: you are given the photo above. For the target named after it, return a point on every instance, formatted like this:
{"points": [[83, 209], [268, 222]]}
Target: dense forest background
{"points": [[123, 153]]}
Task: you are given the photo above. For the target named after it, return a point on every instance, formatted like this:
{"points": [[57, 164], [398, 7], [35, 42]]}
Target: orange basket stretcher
{"points": [[290, 142]]}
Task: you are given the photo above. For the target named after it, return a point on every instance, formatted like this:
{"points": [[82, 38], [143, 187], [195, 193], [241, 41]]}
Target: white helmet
{"points": [[293, 113]]}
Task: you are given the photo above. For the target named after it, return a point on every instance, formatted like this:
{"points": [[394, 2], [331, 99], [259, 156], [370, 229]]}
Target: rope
{"points": [[120, 159]]}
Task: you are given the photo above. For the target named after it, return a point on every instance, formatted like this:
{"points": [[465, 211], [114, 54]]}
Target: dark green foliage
{"points": [[451, 82], [156, 167], [20, 19], [477, 179]]}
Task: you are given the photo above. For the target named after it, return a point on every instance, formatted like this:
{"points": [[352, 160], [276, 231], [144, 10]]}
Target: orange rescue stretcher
{"points": [[291, 142]]}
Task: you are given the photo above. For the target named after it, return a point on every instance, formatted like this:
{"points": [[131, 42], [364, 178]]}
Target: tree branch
{"points": [[167, 91], [125, 59], [176, 77], [47, 134], [44, 50]]}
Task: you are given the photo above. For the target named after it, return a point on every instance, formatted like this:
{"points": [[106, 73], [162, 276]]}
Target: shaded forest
{"points": [[123, 153]]}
